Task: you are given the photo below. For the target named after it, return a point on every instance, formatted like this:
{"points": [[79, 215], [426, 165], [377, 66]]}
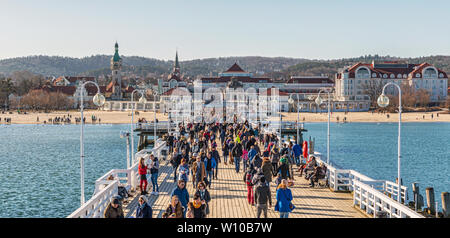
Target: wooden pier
{"points": [[229, 197]]}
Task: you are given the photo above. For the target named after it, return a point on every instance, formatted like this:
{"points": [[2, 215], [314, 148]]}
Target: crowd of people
{"points": [[196, 162]]}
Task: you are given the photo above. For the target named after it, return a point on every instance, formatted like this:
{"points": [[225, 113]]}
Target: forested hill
{"points": [[57, 66], [99, 64], [275, 67]]}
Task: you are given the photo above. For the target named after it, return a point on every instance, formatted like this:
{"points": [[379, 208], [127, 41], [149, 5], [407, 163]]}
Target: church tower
{"points": [[176, 66], [116, 67]]}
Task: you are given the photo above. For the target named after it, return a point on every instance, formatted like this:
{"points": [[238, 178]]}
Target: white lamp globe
{"points": [[99, 99], [291, 101], [383, 100], [142, 100], [319, 100]]}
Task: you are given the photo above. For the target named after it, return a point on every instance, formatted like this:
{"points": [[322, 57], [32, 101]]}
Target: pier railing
{"points": [[108, 185], [378, 204], [375, 197], [161, 125], [95, 207]]}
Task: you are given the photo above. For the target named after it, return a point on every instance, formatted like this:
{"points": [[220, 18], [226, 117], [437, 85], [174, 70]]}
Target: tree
{"points": [[422, 97], [373, 88], [6, 88], [42, 100]]}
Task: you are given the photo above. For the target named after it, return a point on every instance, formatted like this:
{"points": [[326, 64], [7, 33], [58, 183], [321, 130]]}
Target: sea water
{"points": [[40, 164]]}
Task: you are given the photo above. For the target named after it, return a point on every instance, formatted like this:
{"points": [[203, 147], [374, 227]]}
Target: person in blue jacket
{"points": [[251, 153], [210, 165], [284, 200], [182, 194], [297, 152], [143, 210]]}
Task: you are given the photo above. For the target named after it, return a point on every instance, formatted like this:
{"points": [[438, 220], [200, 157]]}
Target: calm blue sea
{"points": [[40, 164]]}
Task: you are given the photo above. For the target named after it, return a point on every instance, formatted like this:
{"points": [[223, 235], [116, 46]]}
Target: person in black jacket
{"points": [[198, 207], [237, 152], [204, 195], [216, 156], [262, 196], [143, 210], [284, 168]]}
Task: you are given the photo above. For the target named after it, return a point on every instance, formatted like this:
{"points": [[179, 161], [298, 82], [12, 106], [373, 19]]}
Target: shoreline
{"points": [[116, 117]]}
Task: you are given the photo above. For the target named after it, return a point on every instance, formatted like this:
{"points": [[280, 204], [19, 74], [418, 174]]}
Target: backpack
{"points": [[248, 179]]}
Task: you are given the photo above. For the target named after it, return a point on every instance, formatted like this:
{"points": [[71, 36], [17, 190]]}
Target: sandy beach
{"points": [[125, 117]]}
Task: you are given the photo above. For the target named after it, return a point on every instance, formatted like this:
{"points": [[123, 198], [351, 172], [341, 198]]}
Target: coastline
{"points": [[115, 117]]}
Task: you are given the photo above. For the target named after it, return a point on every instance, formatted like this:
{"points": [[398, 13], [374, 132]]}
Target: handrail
{"points": [[374, 202], [97, 204], [105, 189]]}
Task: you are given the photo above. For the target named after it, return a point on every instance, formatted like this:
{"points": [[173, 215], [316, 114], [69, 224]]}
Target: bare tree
{"points": [[422, 97], [373, 88], [41, 100]]}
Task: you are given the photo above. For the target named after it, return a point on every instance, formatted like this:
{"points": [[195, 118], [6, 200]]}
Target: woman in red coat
{"points": [[142, 169]]}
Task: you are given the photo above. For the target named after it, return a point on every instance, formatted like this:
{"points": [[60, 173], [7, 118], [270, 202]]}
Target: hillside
{"points": [[279, 67], [99, 65], [331, 67]]}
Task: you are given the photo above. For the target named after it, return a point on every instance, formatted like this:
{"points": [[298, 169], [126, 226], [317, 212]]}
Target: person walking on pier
{"points": [[198, 171], [143, 210], [114, 209], [142, 169], [284, 168], [183, 170], [175, 162], [262, 197], [297, 151], [267, 169], [215, 155], [284, 200], [275, 158], [210, 165], [183, 195], [248, 179], [198, 207], [237, 153], [225, 152], [154, 170], [175, 209], [204, 195]]}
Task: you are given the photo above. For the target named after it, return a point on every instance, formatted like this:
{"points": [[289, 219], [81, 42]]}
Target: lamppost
{"points": [[291, 101], [154, 116], [126, 135], [98, 100], [319, 101], [141, 100], [274, 101], [383, 101]]}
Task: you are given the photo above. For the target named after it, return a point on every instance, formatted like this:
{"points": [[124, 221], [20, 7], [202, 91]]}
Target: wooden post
{"points": [[415, 187], [430, 200], [445, 204]]}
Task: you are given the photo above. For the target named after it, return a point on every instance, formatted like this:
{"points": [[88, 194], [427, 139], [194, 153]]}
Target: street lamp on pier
{"points": [[291, 101], [319, 101], [98, 100], [141, 100], [383, 101]]}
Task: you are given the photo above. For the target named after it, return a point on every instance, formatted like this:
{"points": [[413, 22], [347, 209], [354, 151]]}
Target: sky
{"points": [[319, 29]]}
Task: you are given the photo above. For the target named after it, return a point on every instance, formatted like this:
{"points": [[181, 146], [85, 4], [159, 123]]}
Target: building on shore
{"points": [[231, 84], [354, 83]]}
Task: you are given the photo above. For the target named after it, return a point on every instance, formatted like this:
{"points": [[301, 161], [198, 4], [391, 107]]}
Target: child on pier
{"points": [[248, 177]]}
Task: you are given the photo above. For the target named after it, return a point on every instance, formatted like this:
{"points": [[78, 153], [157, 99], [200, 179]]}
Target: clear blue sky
{"points": [[213, 28]]}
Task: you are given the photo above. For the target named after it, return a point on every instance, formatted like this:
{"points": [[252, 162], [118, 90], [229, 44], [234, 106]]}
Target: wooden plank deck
{"points": [[229, 197]]}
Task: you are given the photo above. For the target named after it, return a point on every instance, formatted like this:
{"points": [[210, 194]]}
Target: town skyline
{"points": [[199, 30]]}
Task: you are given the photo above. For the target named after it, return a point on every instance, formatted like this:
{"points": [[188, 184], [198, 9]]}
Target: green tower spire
{"points": [[177, 64]]}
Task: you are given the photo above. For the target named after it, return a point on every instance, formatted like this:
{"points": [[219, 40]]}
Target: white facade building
{"points": [[351, 82]]}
